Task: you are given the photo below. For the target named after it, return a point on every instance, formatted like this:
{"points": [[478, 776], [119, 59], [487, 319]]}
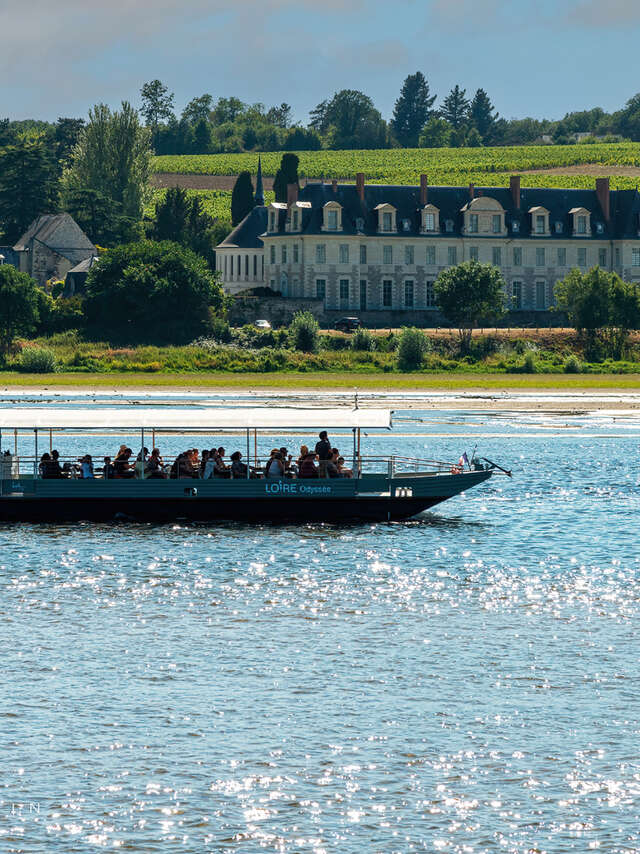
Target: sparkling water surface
{"points": [[465, 682]]}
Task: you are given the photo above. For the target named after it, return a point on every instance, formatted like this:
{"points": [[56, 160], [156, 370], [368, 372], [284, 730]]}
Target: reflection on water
{"points": [[465, 682]]}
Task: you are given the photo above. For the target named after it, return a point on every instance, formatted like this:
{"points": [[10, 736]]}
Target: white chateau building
{"points": [[366, 247]]}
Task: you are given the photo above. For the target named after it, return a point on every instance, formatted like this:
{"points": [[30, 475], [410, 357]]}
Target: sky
{"points": [[539, 59]]}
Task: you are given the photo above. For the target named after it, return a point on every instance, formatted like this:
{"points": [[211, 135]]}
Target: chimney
{"points": [[472, 191], [423, 190], [360, 185], [292, 194], [602, 192], [514, 186], [334, 186]]}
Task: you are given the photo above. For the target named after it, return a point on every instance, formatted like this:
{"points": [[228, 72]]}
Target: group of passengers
{"points": [[205, 465]]}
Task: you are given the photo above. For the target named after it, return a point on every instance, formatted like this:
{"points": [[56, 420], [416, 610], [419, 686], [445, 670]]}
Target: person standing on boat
{"points": [[323, 450]]}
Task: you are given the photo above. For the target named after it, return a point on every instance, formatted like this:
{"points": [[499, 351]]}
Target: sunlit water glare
{"points": [[466, 682]]}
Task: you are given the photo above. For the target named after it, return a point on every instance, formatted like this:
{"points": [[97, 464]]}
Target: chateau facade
{"points": [[369, 247]]}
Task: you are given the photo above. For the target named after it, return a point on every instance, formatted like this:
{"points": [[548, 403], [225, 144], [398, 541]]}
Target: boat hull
{"points": [[29, 500]]}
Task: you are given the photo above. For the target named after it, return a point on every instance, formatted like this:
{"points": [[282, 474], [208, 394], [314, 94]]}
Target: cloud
{"points": [[614, 14]]}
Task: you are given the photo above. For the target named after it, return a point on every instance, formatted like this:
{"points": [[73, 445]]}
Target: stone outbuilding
{"points": [[51, 246]]}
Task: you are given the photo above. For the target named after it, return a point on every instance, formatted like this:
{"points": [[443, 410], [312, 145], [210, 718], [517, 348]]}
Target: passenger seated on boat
{"points": [[55, 469], [86, 467], [188, 466], [108, 471], [275, 466], [220, 468], [210, 464], [43, 465], [307, 467], [332, 464], [342, 471], [121, 463], [238, 468], [286, 460], [204, 456], [155, 467], [303, 453]]}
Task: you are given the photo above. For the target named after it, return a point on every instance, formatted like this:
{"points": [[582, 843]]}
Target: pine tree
{"points": [[242, 200], [412, 110], [28, 185], [482, 115], [455, 107], [286, 174]]}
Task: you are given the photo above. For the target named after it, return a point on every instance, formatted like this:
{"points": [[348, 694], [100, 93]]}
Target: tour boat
{"points": [[380, 488]]}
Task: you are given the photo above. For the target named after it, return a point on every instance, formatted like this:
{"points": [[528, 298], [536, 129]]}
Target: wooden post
{"points": [[50, 440]]}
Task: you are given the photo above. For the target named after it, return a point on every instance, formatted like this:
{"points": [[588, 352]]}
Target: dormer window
{"points": [[515, 227], [430, 219], [473, 223], [559, 227], [332, 217], [406, 225], [483, 215], [295, 219], [599, 228], [581, 221], [386, 218], [448, 225], [272, 220], [539, 221]]}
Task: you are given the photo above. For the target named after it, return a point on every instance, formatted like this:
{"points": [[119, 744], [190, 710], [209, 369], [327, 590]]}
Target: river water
{"points": [[466, 682]]}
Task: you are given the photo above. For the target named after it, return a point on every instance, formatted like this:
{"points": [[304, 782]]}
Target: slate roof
{"points": [[84, 266], [246, 235], [10, 255], [362, 218], [58, 232]]}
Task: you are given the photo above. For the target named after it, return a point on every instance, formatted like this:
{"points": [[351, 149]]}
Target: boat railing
{"points": [[395, 465]]}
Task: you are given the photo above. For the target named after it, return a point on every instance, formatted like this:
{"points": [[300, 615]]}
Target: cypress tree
{"points": [[286, 174], [242, 198]]}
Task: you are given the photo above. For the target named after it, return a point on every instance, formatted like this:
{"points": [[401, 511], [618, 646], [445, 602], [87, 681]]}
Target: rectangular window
{"points": [[321, 288], [225, 266], [452, 255], [272, 255], [387, 291], [516, 295], [540, 260], [562, 257], [387, 254], [541, 295], [408, 255], [429, 222], [602, 258], [431, 256], [408, 294], [274, 258], [496, 256], [517, 256], [363, 294], [344, 290], [343, 254], [473, 253], [473, 223], [255, 266], [540, 224], [295, 220], [283, 251], [582, 225], [296, 253], [272, 221], [496, 223], [430, 295], [272, 284], [635, 257], [332, 220], [363, 253], [321, 253], [618, 257], [386, 221], [582, 257]]}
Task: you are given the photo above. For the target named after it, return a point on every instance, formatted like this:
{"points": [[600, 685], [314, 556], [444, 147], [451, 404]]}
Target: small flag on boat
{"points": [[464, 459]]}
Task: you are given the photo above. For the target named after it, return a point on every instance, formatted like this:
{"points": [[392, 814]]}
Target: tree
{"points": [[280, 116], [181, 219], [152, 292], [303, 332], [202, 137], [468, 293], [18, 306], [113, 158], [482, 115], [198, 109], [66, 135], [157, 104], [455, 108], [627, 120], [412, 110], [101, 217], [473, 139], [28, 185], [412, 348], [228, 110], [349, 120], [302, 139], [242, 200], [286, 174], [436, 134], [601, 306]]}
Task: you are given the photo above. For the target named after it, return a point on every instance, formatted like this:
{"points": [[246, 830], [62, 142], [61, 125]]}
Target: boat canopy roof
{"points": [[191, 419]]}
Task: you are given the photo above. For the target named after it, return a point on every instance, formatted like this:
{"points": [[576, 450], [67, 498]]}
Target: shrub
{"points": [[412, 349], [572, 365], [303, 332], [363, 340], [529, 365], [219, 329], [37, 360]]}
